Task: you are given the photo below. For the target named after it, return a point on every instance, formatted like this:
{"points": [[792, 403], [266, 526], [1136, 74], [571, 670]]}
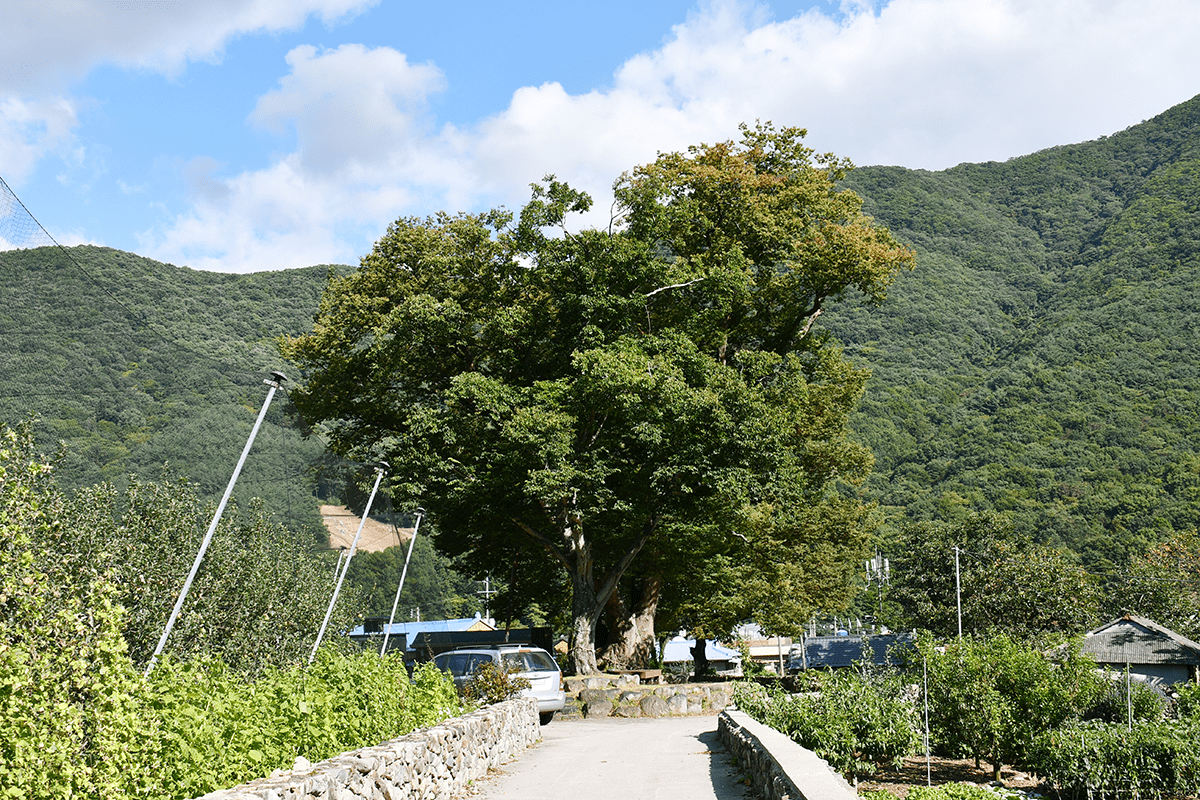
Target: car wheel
{"points": [[546, 716]]}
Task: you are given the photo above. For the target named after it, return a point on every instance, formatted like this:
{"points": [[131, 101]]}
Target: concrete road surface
{"points": [[621, 759]]}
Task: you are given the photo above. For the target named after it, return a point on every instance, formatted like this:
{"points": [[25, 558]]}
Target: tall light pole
{"points": [[403, 573], [379, 472], [275, 381]]}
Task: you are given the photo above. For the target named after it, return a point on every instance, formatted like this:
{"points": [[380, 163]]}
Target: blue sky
{"points": [[240, 135]]}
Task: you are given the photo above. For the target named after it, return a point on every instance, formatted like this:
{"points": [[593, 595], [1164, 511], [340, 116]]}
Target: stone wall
{"points": [[778, 768], [624, 696], [437, 762]]}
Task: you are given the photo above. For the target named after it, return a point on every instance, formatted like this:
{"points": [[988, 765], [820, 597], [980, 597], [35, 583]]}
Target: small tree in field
{"points": [[992, 698]]}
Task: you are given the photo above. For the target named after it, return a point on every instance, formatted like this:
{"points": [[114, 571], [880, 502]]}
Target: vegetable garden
{"points": [[995, 699]]}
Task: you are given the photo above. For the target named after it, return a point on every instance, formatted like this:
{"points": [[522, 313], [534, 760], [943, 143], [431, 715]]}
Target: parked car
{"points": [[531, 663]]}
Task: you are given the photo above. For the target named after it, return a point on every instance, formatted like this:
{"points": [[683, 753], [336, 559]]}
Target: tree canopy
{"points": [[567, 398]]}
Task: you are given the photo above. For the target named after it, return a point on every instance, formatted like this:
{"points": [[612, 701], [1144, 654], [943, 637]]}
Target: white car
{"points": [[531, 663]]}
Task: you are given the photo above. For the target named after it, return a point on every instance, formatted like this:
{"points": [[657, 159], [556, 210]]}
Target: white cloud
{"points": [[49, 44], [351, 107], [29, 129], [923, 83]]}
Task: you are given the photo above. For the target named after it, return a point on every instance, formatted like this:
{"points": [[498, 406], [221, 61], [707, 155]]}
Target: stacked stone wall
{"points": [[778, 768], [625, 696], [438, 762]]}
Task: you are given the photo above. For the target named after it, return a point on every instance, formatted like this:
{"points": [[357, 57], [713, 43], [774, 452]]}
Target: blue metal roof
{"points": [[426, 626]]}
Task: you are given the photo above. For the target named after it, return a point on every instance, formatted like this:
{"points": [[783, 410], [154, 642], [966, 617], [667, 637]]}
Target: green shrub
{"points": [[1097, 760], [1114, 702], [994, 697], [69, 697], [493, 683], [1187, 704], [856, 722], [219, 730]]}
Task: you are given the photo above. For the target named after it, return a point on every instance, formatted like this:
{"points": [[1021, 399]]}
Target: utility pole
{"points": [[275, 381], [487, 591], [379, 472], [403, 573], [879, 570]]}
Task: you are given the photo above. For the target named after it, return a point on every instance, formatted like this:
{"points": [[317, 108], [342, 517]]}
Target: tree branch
{"points": [[673, 286], [610, 581], [550, 546]]}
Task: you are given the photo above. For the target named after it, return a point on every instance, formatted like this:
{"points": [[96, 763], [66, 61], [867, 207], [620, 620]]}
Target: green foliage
{"points": [[258, 599], [994, 697], [950, 791], [1008, 583], [67, 689], [218, 730], [1039, 363], [1121, 696], [1096, 760], [564, 403], [1164, 584], [432, 584], [134, 363], [80, 721], [1187, 704], [858, 721], [494, 683]]}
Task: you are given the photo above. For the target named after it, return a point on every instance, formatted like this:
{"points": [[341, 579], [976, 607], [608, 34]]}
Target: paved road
{"points": [[621, 759]]}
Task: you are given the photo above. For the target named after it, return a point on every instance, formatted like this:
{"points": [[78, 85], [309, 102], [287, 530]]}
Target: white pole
{"points": [[346, 568], [403, 573], [928, 760], [274, 381], [958, 590]]}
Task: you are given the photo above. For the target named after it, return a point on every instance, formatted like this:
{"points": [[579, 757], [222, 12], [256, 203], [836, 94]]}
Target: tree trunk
{"points": [[632, 644], [573, 551], [585, 609]]}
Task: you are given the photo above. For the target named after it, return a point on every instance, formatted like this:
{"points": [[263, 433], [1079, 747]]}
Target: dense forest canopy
{"points": [[1041, 361]]}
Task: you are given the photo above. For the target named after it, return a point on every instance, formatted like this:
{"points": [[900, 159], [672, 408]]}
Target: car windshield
{"points": [[530, 661]]}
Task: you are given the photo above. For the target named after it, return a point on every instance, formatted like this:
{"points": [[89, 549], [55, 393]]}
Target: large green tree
{"points": [[566, 399]]}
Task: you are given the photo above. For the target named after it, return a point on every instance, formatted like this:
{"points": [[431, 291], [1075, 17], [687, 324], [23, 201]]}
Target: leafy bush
{"points": [[949, 791], [258, 598], [493, 683], [1098, 760], [68, 693], [218, 730], [856, 722], [80, 721], [994, 697], [1187, 704]]}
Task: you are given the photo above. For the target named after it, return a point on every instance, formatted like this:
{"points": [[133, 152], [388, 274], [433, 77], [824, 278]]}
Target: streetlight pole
{"points": [[403, 573], [958, 589], [275, 381], [379, 471]]}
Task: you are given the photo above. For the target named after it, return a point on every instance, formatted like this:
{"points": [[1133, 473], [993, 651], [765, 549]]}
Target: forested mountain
{"points": [[135, 364], [1041, 360]]}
